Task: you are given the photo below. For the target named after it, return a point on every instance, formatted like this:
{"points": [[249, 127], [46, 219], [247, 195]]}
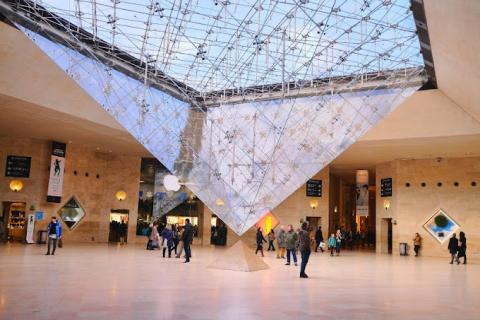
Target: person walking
{"points": [[462, 248], [291, 239], [281, 243], [338, 243], [417, 243], [332, 244], [176, 238], [260, 241], [153, 238], [187, 240], [304, 247], [180, 242], [318, 239], [54, 231], [167, 240], [453, 247], [271, 239]]}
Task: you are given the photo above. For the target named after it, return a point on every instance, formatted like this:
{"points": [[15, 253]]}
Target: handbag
{"points": [[165, 243], [60, 243]]}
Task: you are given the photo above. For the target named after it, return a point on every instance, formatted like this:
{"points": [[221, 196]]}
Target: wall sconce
{"points": [[313, 204], [335, 209], [386, 204], [16, 185], [121, 195], [394, 222]]}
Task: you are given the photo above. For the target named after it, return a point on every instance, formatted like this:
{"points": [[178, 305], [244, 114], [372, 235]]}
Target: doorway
{"points": [[314, 222], [386, 236], [118, 226], [13, 221]]}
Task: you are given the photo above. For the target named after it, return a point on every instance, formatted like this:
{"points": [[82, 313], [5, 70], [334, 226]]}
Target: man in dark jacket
{"points": [[318, 238], [54, 231], [304, 247], [187, 238], [453, 247]]}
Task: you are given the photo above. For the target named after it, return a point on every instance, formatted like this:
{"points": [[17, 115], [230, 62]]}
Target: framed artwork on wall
{"points": [[441, 226]]}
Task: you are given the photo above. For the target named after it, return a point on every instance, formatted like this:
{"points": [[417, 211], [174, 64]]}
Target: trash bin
{"points": [[403, 248], [42, 237]]}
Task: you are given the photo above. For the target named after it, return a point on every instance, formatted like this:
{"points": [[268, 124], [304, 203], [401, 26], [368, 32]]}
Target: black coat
{"points": [[188, 233], [260, 238], [453, 245], [319, 236]]}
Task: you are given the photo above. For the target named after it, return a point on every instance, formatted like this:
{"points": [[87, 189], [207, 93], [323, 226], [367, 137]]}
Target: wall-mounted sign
{"points": [[314, 188], [39, 215], [57, 167], [386, 187], [18, 166]]}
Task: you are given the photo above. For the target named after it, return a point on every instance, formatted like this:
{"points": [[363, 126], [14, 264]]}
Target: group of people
{"points": [[288, 242], [458, 248], [172, 238]]}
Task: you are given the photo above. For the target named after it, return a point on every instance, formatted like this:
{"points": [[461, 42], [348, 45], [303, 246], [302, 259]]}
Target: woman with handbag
{"points": [[260, 241], [153, 238]]}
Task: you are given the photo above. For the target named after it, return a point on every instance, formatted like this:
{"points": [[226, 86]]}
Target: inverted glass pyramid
{"points": [[240, 159]]}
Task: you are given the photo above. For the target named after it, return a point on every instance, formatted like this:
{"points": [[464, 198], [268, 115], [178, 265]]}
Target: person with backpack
{"points": [[332, 244], [54, 232]]}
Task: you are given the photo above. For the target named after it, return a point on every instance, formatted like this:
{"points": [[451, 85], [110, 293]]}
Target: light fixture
{"points": [[335, 209], [313, 204], [16, 185], [171, 183], [386, 204], [121, 195], [219, 202]]}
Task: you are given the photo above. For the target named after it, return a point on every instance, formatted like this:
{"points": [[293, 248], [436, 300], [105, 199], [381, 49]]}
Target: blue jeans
{"points": [[305, 256], [292, 251]]}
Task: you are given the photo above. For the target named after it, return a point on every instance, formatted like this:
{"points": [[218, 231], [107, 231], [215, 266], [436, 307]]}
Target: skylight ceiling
{"points": [[217, 45]]}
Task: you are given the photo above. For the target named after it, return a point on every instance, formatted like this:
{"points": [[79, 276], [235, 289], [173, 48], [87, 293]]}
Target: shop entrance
{"points": [[13, 221], [118, 226], [218, 231]]}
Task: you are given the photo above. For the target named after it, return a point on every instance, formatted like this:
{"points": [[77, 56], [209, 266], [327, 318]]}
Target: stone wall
{"points": [[411, 207], [96, 195]]}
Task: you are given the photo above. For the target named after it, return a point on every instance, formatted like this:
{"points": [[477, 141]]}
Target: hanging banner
{"points": [[57, 166], [362, 192], [30, 228]]}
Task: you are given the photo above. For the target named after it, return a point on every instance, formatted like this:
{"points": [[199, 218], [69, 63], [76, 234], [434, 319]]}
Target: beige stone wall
{"points": [[297, 205], [96, 195], [411, 207]]}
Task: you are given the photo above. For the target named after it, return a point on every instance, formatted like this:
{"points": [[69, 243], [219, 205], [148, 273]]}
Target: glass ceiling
{"points": [[213, 45], [241, 158]]}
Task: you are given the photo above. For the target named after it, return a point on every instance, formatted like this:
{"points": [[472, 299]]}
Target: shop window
{"points": [[71, 213]]}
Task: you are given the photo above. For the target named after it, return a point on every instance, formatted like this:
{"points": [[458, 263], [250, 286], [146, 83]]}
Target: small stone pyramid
{"points": [[240, 257]]}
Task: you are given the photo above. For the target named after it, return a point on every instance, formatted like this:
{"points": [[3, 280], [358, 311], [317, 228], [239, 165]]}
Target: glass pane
{"points": [[71, 213]]}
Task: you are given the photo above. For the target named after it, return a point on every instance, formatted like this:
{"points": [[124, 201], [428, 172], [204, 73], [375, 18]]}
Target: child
{"points": [[332, 243]]}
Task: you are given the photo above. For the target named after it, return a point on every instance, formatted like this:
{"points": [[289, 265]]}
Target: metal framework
{"points": [[261, 49], [279, 88]]}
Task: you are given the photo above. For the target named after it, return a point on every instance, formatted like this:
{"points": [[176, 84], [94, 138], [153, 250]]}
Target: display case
{"points": [[16, 221]]}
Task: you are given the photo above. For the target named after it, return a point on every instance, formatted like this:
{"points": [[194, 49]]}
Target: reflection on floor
{"points": [[128, 282]]}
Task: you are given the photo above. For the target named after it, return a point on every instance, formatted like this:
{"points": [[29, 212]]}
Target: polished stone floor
{"points": [[128, 282]]}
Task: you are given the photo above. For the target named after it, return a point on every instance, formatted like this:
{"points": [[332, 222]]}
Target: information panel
{"points": [[18, 166], [314, 188], [386, 187]]}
